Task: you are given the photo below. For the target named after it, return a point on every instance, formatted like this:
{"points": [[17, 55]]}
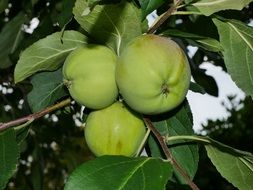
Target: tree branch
{"points": [[162, 142], [4, 126], [164, 17]]}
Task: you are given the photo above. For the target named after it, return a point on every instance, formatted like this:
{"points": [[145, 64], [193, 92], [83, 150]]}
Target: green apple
{"points": [[89, 73], [153, 74], [115, 130]]}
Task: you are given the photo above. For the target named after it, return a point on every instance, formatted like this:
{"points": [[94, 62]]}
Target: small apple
{"points": [[153, 74], [114, 130], [89, 73]]}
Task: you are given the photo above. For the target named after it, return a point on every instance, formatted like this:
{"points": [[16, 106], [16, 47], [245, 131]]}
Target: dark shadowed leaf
{"points": [[237, 41], [206, 81], [47, 88], [197, 88], [47, 54], [10, 36], [44, 28], [206, 43], [34, 2], [22, 132], [113, 25], [179, 123], [9, 154], [208, 7], [118, 172], [3, 5], [148, 6], [66, 12]]}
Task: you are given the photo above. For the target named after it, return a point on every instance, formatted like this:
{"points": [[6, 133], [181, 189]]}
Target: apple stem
{"points": [[162, 141], [143, 142]]}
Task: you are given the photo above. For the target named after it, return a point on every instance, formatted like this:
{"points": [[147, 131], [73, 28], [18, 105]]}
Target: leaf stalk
{"points": [[163, 142]]}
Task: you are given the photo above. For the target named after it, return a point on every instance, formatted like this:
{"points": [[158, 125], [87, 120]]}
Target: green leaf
{"points": [[37, 175], [10, 36], [236, 166], [189, 1], [47, 88], [208, 7], [113, 25], [47, 54], [180, 123], [206, 81], [206, 43], [9, 154], [148, 6], [66, 12], [3, 5], [118, 172], [34, 2], [237, 41], [22, 131], [197, 88]]}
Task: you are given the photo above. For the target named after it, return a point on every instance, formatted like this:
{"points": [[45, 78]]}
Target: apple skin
{"points": [[115, 130], [89, 73], [153, 74]]}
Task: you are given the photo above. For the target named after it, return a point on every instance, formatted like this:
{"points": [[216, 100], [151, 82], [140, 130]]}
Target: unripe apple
{"points": [[114, 130], [89, 73], [153, 74]]}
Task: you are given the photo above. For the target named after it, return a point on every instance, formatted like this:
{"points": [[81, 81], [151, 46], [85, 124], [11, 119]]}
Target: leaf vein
{"points": [[50, 94], [205, 4], [131, 173], [249, 45]]}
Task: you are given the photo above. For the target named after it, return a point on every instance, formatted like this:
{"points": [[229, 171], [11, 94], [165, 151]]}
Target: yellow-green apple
{"points": [[89, 73], [115, 130], [153, 74]]}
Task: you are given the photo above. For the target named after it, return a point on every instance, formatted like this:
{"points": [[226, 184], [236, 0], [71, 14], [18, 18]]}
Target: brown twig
{"points": [[168, 155], [4, 126], [164, 17]]}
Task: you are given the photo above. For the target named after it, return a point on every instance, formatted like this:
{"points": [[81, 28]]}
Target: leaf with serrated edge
{"points": [[235, 167], [118, 172], [47, 88], [114, 25], [237, 41], [180, 123], [47, 54], [206, 43], [208, 7], [9, 153]]}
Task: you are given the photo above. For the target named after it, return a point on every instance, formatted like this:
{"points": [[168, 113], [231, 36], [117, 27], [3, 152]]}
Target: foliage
{"points": [[237, 124], [238, 127], [47, 150]]}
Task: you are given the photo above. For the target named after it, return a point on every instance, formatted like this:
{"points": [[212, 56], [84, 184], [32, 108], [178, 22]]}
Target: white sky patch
{"points": [[206, 107], [191, 51], [151, 18], [251, 23]]}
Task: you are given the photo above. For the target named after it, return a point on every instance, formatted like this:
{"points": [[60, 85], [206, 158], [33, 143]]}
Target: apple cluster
{"points": [[152, 75]]}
